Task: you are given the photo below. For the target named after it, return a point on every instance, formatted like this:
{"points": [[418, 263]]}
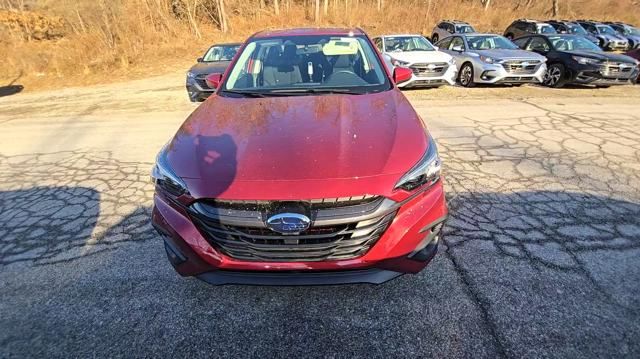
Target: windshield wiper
{"points": [[246, 93], [315, 91]]}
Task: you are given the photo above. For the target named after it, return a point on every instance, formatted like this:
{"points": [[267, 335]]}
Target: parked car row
{"points": [[554, 53]]}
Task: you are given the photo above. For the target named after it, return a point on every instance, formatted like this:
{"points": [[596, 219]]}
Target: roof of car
{"points": [[228, 44], [456, 22], [309, 31], [401, 35]]}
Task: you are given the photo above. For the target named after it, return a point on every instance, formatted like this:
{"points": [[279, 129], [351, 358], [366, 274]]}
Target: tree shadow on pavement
{"points": [[11, 88]]}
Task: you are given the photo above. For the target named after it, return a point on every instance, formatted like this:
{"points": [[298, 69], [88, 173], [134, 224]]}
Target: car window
{"points": [[519, 25], [456, 42], [464, 29], [521, 42], [531, 28], [220, 53], [546, 29], [537, 44], [450, 28], [606, 29], [444, 44], [576, 30], [442, 26], [309, 62]]}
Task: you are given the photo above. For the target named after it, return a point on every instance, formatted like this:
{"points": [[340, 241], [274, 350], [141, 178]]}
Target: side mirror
{"points": [[200, 59], [457, 48], [213, 80], [436, 47], [401, 74]]}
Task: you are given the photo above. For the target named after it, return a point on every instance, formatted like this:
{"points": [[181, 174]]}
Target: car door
{"points": [[539, 45], [457, 49]]}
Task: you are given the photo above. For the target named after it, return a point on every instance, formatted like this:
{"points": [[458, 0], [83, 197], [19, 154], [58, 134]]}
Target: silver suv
{"points": [[447, 28]]}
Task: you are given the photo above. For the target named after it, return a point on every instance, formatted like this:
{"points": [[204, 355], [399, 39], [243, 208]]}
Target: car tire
{"points": [[465, 77], [435, 38], [555, 76]]}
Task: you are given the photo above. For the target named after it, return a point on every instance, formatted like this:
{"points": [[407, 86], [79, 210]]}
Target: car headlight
{"points": [[396, 62], [489, 60], [190, 75], [452, 61], [425, 172], [585, 60], [163, 176]]}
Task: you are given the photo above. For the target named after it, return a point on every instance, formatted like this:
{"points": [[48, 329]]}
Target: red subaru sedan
{"points": [[307, 166]]}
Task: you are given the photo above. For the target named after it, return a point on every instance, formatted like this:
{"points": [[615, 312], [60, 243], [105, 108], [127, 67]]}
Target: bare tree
{"points": [[316, 16], [276, 7], [554, 8], [485, 3], [326, 7], [222, 16], [380, 4]]}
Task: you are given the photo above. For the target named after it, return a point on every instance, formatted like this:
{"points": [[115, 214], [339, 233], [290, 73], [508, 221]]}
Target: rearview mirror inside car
{"points": [[213, 80]]}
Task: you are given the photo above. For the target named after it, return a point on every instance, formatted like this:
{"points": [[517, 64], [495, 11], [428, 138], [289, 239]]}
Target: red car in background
{"points": [[636, 55], [307, 166]]}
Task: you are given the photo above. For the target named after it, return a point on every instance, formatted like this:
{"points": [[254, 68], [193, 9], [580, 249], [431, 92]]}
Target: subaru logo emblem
{"points": [[525, 64], [431, 66], [288, 223]]}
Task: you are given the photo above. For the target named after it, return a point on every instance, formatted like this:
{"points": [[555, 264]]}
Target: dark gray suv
{"points": [[522, 27]]}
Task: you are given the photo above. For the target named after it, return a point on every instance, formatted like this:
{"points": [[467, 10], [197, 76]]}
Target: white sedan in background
{"points": [[431, 67]]}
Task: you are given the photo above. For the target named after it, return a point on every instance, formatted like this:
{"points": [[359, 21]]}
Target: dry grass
{"points": [[110, 40]]}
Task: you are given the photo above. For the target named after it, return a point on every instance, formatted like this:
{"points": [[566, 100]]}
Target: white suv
{"points": [[431, 67], [446, 28]]}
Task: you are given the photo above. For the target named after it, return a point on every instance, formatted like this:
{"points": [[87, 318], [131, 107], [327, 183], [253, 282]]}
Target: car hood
{"points": [[510, 54], [205, 68], [421, 56], [600, 55], [298, 146]]}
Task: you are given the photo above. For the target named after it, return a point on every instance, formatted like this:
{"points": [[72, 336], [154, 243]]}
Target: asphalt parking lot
{"points": [[541, 255]]}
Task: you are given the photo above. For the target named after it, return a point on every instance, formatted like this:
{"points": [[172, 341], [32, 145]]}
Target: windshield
{"points": [[407, 43], [490, 42], [306, 64], [632, 31], [572, 43], [606, 29], [577, 30], [546, 29], [464, 29], [220, 53]]}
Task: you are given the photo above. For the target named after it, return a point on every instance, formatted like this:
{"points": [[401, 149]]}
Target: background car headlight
{"points": [[163, 176], [191, 75], [425, 172], [487, 59], [396, 62], [585, 60]]}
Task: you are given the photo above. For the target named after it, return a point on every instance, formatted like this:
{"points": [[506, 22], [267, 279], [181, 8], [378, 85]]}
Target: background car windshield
{"points": [[315, 62], [464, 29], [490, 42], [577, 30], [407, 43], [632, 31], [572, 43], [221, 53], [605, 29], [547, 29]]}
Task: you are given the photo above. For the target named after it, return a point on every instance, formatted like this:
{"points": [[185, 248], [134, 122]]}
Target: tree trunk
{"points": [[222, 16], [554, 8], [326, 7], [276, 7], [485, 3], [380, 4], [316, 16]]}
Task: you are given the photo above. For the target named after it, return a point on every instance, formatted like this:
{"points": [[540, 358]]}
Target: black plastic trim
{"points": [[370, 276]]}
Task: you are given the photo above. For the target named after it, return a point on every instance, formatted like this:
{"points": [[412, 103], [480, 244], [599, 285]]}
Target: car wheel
{"points": [[554, 77], [435, 38], [466, 75]]}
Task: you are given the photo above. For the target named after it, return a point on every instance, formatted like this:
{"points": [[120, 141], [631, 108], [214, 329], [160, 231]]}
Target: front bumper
{"points": [[497, 74], [426, 79], [617, 45], [407, 246], [596, 75], [197, 88]]}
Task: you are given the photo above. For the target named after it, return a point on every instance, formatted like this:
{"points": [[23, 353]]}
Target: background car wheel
{"points": [[554, 77], [466, 75], [435, 38]]}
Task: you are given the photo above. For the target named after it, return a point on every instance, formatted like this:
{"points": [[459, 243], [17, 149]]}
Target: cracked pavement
{"points": [[541, 256]]}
